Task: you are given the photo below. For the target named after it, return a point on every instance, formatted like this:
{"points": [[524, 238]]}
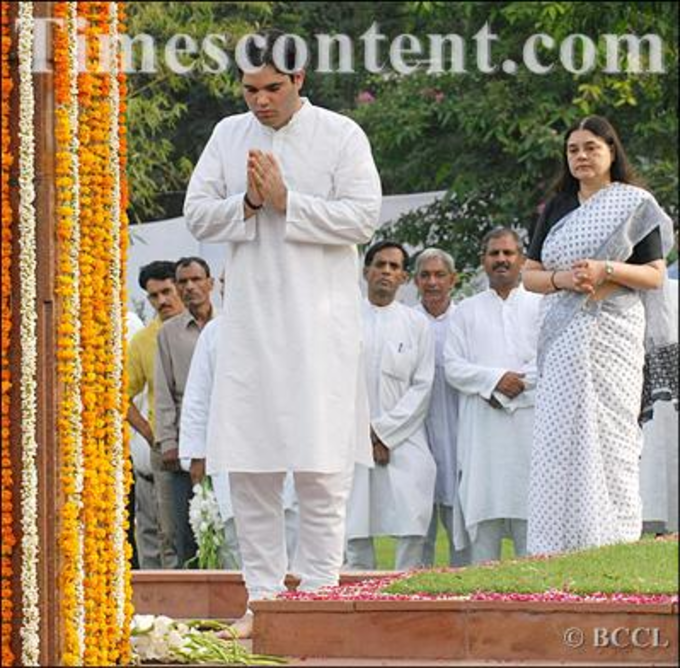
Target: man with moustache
{"points": [[394, 498], [153, 489], [176, 342], [490, 358]]}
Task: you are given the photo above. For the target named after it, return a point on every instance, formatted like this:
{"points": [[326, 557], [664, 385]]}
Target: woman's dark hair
{"points": [[621, 169]]}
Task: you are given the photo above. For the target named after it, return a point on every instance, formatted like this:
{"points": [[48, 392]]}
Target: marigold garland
{"points": [[8, 537], [125, 644], [30, 546], [95, 596], [95, 241], [69, 371], [106, 472], [120, 455]]}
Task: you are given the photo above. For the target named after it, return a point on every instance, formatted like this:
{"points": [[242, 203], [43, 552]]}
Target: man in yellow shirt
{"points": [[152, 492]]}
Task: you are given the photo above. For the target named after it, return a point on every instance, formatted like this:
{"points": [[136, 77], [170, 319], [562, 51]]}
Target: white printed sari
{"points": [[584, 482]]}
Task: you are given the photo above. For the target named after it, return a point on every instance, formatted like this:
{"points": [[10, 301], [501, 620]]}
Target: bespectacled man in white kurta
{"points": [[292, 188], [395, 497], [435, 277], [490, 358]]}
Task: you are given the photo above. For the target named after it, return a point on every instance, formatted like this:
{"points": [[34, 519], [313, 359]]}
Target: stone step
{"points": [[194, 594], [420, 633], [520, 632]]}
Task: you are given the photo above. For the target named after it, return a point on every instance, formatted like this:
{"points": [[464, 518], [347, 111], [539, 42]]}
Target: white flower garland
{"points": [[164, 640], [30, 544], [118, 451], [208, 526], [74, 307]]}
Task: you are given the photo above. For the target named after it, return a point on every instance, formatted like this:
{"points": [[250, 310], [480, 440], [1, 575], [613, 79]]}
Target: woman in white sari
{"points": [[598, 253]]}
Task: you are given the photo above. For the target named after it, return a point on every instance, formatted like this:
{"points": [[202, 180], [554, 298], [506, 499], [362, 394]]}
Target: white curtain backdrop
{"points": [[170, 240]]}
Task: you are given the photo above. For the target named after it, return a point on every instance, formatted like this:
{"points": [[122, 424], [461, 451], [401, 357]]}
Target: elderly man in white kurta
{"points": [[293, 189], [435, 277], [490, 357], [395, 497]]}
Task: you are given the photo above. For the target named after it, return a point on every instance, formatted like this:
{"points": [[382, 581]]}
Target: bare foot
{"points": [[240, 630]]}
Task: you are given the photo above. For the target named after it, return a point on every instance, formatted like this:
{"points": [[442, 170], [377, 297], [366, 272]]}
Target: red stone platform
{"points": [[436, 632], [470, 631]]}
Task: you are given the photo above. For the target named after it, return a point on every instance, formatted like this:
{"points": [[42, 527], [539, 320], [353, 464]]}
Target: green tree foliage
{"points": [[492, 140], [171, 115], [495, 140], [337, 90]]}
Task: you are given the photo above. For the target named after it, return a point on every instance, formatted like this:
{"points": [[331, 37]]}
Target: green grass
{"points": [[646, 567], [385, 547]]}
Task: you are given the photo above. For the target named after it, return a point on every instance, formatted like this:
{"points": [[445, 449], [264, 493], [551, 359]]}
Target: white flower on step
{"points": [[175, 639], [162, 624], [142, 624], [207, 525], [164, 640]]}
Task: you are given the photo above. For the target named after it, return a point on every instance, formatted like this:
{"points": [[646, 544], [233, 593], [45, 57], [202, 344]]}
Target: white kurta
{"points": [[489, 336], [441, 423], [195, 413], [195, 410], [396, 499], [286, 397]]}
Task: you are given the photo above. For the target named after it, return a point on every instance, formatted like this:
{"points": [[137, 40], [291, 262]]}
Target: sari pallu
{"points": [[584, 482]]}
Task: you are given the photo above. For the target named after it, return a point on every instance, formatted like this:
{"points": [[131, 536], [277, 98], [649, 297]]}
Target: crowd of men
{"points": [[450, 393]]}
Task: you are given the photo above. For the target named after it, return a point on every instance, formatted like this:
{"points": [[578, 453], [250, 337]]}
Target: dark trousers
{"points": [[185, 544], [134, 560]]}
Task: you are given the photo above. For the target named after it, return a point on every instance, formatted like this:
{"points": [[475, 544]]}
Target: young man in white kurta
{"points": [[293, 189], [435, 277], [395, 497], [490, 357]]}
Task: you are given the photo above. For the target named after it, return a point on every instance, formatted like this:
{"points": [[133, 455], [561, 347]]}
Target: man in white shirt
{"points": [[490, 357], [395, 497], [435, 277], [193, 428], [193, 439], [292, 188]]}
